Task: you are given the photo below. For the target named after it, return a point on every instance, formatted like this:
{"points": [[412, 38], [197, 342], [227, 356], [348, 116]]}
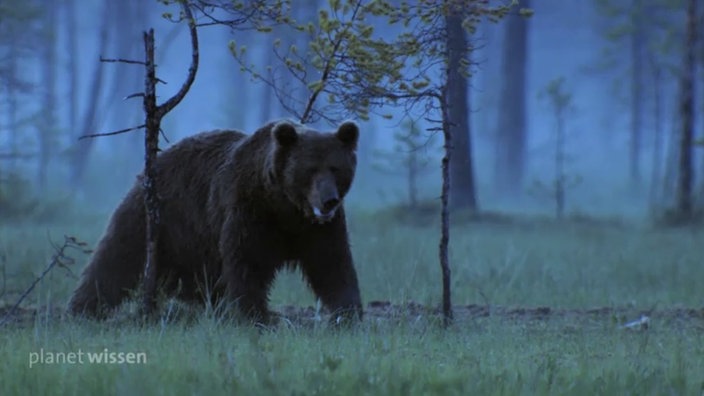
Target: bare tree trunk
{"points": [[484, 120], [73, 58], [561, 104], [153, 116], [511, 134], [47, 127], [700, 200], [151, 197], [560, 165], [637, 39], [463, 194], [12, 107], [699, 145], [656, 175], [686, 168], [83, 147], [672, 152], [445, 211]]}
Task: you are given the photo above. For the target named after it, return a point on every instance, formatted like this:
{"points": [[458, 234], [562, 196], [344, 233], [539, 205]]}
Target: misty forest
{"points": [[526, 215]]}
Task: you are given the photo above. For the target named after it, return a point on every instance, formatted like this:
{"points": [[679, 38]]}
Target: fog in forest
{"points": [[53, 89]]}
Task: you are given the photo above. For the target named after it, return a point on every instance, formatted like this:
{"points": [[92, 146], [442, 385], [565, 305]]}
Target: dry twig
{"points": [[59, 259]]}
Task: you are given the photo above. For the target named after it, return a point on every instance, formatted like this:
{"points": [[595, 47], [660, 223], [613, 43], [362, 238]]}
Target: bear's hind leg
{"points": [[116, 264]]}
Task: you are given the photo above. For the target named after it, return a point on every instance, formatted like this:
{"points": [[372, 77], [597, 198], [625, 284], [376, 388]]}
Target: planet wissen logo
{"points": [[106, 356]]}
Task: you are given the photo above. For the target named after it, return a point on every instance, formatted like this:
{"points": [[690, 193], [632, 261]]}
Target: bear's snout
{"points": [[324, 199], [330, 204], [321, 217]]}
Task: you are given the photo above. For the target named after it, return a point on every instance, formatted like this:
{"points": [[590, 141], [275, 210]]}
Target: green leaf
{"points": [[525, 12], [316, 85]]}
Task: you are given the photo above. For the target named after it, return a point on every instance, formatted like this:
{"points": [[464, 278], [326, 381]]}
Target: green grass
{"points": [[527, 263], [488, 356]]}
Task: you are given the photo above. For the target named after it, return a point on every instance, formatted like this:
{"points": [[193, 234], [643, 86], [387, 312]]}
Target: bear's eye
{"points": [[334, 169]]}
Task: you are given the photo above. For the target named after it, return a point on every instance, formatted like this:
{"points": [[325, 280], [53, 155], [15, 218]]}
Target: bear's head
{"points": [[315, 170]]}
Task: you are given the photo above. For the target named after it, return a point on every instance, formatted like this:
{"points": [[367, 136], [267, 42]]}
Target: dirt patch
{"points": [[413, 311], [464, 314]]}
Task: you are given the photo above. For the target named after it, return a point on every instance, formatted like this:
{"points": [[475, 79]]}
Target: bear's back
{"points": [[185, 170], [198, 155], [212, 144]]}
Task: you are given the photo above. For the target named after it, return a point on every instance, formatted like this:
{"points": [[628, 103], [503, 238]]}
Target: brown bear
{"points": [[235, 209]]}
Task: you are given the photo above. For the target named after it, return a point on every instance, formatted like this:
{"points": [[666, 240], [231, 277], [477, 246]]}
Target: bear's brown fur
{"points": [[234, 210]]}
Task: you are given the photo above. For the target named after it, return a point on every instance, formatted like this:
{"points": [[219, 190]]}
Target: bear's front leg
{"points": [[249, 268], [327, 264]]}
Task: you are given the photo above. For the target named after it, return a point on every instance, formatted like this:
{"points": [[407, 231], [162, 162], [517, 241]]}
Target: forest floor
{"points": [[541, 307]]}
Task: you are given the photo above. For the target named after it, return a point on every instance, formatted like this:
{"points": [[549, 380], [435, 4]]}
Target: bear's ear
{"points": [[348, 133], [285, 134]]}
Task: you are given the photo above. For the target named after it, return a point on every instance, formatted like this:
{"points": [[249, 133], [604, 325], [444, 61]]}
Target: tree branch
{"points": [[59, 259], [134, 95], [119, 60], [118, 132], [176, 99], [248, 17], [328, 68]]}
